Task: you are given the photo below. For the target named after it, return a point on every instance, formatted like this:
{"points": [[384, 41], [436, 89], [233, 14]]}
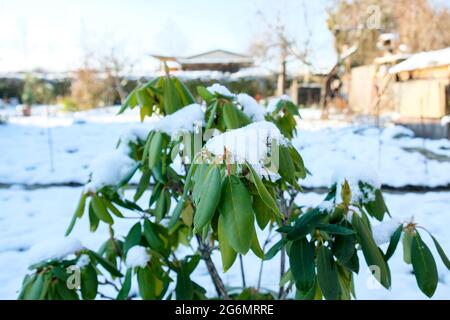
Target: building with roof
{"points": [[215, 60]]}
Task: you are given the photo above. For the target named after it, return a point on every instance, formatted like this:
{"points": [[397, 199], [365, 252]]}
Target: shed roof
{"points": [[423, 60]]}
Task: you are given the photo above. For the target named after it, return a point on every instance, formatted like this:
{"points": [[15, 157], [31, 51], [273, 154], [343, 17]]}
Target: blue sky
{"points": [[57, 34]]}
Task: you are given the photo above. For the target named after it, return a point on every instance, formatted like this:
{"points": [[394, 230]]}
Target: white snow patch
{"points": [[53, 249], [354, 172], [220, 89], [182, 121], [382, 232], [83, 261], [445, 120], [251, 144], [137, 256], [108, 170], [326, 206], [131, 136], [395, 132], [251, 108]]}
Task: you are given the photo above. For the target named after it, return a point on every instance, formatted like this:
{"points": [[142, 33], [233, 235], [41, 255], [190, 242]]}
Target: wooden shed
{"points": [[422, 85]]}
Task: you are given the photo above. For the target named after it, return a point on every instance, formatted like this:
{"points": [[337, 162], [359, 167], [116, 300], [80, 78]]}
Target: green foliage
{"points": [[222, 205]]}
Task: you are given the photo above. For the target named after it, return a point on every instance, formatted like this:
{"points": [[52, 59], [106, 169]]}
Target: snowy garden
{"points": [[51, 158], [227, 150]]}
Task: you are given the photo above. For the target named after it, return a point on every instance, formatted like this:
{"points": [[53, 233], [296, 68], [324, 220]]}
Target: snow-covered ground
{"points": [[25, 152], [30, 216]]}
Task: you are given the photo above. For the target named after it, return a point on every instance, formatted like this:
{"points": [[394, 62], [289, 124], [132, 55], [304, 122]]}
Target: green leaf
{"points": [[209, 199], [66, 293], [335, 229], [176, 213], [256, 247], [303, 268], [424, 266], [344, 247], [376, 208], [372, 253], [230, 116], [128, 175], [407, 243], [100, 210], [205, 94], [143, 184], [143, 97], [298, 162], [237, 212], [184, 289], [105, 264], [26, 285], [327, 274], [212, 115], [286, 168], [146, 282], [440, 251], [125, 290], [198, 178], [353, 263], [172, 101], [162, 205], [226, 251], [153, 239], [185, 95], [36, 288], [262, 212], [81, 205], [130, 101], [395, 238], [345, 281], [306, 223], [78, 213], [93, 219], [262, 191], [275, 249], [155, 149], [313, 294], [112, 208], [89, 283], [133, 237]]}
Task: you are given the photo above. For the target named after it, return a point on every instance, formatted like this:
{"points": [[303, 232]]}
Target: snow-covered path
{"points": [[31, 216]]}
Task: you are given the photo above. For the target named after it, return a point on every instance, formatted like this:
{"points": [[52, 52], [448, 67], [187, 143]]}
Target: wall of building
{"points": [[421, 98]]}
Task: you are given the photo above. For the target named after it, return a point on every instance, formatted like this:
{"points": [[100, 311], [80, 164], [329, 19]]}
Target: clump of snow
{"points": [[251, 108], [53, 249], [137, 256], [383, 231], [108, 170], [131, 136], [355, 172], [326, 206], [182, 121], [396, 132], [83, 261], [273, 102], [252, 144], [445, 120], [220, 89]]}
